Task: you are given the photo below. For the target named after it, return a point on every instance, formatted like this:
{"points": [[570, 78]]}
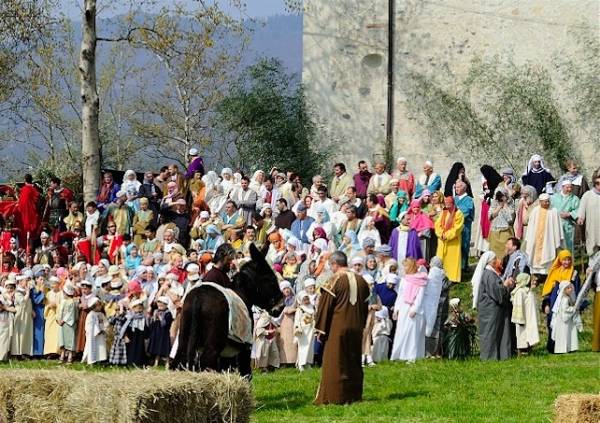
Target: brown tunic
{"points": [[340, 320]]}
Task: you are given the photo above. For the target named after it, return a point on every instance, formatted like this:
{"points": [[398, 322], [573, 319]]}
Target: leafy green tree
{"points": [[269, 122]]}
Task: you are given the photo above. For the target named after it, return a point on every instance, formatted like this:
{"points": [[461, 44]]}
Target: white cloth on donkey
{"points": [[240, 323]]}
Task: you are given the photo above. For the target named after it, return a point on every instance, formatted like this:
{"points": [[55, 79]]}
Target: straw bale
{"points": [[68, 396], [577, 408]]}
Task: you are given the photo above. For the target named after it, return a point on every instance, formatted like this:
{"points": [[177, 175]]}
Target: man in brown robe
{"points": [[340, 319]]}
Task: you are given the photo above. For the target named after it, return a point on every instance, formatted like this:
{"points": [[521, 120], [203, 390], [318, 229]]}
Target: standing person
{"points": [[246, 199], [562, 269], [567, 205], [134, 333], [380, 333], [536, 174], [457, 173], [160, 326], [406, 180], [436, 317], [361, 180], [304, 330], [95, 334], [465, 204], [51, 331], [285, 217], [340, 319], [152, 192], [515, 260], [409, 338], [380, 180], [288, 350], [7, 315], [28, 206], [196, 164], [543, 236], [566, 321], [38, 297], [524, 207], [524, 313], [120, 213], [83, 305], [493, 303], [340, 182], [448, 229], [57, 200], [578, 182], [66, 317], [502, 216], [588, 214], [428, 180], [22, 338]]}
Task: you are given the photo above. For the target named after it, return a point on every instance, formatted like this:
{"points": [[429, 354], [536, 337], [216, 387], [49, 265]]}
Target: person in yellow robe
{"points": [[448, 228], [53, 299]]}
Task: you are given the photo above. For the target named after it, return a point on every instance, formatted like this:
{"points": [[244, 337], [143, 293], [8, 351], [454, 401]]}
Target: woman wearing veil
{"points": [[457, 172]]}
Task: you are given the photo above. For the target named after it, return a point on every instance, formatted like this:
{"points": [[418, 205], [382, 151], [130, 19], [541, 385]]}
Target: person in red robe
{"points": [[27, 205]]}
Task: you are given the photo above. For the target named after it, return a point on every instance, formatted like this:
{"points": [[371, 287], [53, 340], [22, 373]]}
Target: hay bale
{"points": [[145, 396], [577, 408]]}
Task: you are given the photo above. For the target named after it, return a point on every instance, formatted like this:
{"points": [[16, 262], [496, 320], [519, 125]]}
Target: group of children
{"points": [[54, 318]]}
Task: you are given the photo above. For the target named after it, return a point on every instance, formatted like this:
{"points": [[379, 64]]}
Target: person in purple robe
{"points": [[361, 179], [421, 229], [196, 164]]}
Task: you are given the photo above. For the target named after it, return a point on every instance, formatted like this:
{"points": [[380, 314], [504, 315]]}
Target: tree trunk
{"points": [[90, 103]]}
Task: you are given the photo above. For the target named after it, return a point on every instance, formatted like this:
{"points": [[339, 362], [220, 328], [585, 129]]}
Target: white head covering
{"points": [[383, 313], [392, 278], [535, 158], [309, 282], [226, 171], [485, 259]]}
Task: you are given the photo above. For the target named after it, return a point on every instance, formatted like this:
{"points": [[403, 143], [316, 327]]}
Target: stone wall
{"points": [[345, 64]]}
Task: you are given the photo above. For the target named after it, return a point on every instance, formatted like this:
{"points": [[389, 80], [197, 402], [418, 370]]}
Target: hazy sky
{"points": [[254, 8]]}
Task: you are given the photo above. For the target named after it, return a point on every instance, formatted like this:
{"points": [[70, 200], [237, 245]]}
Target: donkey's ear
{"points": [[257, 256]]}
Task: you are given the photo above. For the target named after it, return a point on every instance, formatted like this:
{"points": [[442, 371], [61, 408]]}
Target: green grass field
{"points": [[518, 390]]}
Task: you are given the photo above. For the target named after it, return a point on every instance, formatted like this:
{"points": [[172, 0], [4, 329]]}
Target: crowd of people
{"points": [[104, 282]]}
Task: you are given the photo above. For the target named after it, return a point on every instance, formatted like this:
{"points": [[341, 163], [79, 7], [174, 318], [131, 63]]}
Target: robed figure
{"points": [[340, 319], [29, 216]]}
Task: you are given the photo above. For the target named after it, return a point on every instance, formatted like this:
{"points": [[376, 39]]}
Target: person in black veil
{"points": [[457, 171], [491, 181]]}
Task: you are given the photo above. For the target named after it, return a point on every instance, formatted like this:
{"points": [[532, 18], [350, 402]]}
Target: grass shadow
{"points": [[405, 395], [288, 400]]}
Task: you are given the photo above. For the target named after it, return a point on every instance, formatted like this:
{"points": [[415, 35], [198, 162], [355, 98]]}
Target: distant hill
{"points": [[278, 36]]}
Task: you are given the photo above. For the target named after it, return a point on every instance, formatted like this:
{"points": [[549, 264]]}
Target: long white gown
{"points": [[304, 329], [95, 338], [409, 339]]}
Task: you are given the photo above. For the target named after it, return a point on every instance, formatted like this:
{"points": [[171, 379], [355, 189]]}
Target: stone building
{"points": [[345, 69]]}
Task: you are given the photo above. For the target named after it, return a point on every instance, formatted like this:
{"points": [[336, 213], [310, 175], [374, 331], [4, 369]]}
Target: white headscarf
{"points": [[485, 259], [535, 158]]}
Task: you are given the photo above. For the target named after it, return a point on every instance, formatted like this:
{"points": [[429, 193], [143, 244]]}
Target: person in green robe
{"points": [[567, 205]]}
